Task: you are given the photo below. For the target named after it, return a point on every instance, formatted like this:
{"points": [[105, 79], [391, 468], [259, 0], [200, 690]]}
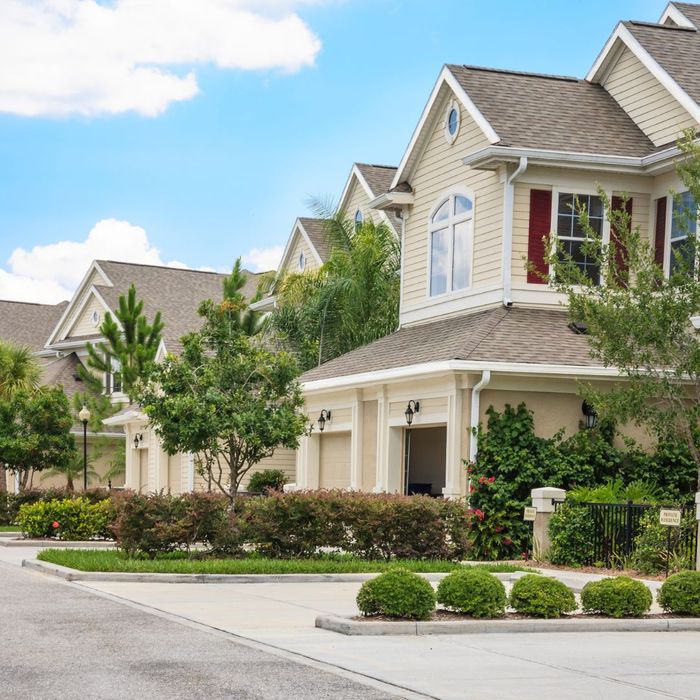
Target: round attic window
{"points": [[452, 122], [95, 318]]}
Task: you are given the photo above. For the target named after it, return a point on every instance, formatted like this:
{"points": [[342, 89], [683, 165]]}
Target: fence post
{"points": [[697, 516], [543, 499]]}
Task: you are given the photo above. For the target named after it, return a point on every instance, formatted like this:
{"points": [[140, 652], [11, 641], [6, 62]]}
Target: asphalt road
{"points": [[61, 642]]}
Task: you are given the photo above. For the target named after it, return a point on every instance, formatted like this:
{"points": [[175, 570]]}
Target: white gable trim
{"points": [[68, 311], [357, 173], [91, 292], [605, 62], [446, 77], [673, 13], [297, 229]]}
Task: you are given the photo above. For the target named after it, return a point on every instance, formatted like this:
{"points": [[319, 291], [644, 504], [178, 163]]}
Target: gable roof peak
{"points": [[488, 69]]}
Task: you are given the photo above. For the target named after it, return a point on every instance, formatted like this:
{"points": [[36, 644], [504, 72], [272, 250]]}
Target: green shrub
{"points": [[267, 480], [473, 592], [160, 523], [651, 552], [10, 502], [620, 596], [67, 519], [680, 593], [540, 596], [571, 530], [397, 593]]}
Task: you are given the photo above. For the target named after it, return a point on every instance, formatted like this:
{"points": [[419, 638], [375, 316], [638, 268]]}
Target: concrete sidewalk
{"points": [[497, 666]]}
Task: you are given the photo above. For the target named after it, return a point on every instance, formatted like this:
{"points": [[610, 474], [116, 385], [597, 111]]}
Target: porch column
{"points": [[130, 474], [453, 448], [382, 478], [308, 456], [356, 442]]}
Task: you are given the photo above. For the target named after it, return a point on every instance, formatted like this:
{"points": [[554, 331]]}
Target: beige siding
{"points": [[83, 324], [283, 459], [641, 204], [439, 169], [143, 470], [334, 461], [431, 407], [657, 113], [369, 446], [357, 199], [301, 246]]}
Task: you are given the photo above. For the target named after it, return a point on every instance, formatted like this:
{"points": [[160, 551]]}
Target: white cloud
{"points": [[50, 273], [79, 56], [263, 259]]}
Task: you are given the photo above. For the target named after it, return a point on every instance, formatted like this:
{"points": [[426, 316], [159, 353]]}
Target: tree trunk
{"points": [[3, 479]]}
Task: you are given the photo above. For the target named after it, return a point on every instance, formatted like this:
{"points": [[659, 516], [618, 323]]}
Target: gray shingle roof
{"points": [[690, 10], [175, 292], [675, 49], [530, 336], [541, 111], [379, 179], [28, 325], [316, 231]]}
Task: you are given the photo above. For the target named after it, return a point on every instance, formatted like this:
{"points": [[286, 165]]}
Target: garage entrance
{"points": [[425, 450], [334, 461]]}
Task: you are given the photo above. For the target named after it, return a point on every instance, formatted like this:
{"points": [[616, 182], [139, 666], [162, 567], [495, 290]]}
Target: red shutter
{"points": [[660, 231], [540, 228], [620, 261]]}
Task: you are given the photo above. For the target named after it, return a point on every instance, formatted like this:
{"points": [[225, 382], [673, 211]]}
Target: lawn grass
{"points": [[9, 528], [110, 560]]}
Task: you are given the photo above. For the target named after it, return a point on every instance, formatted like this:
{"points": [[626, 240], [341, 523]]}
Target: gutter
{"points": [[507, 256], [474, 412]]}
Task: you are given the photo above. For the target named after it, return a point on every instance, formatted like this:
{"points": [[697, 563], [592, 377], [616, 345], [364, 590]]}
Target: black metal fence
{"points": [[617, 525]]}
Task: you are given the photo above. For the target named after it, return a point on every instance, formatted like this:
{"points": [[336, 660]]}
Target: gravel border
{"points": [[348, 626]]}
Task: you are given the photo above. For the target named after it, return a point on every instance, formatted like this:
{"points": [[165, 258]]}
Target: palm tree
{"points": [[19, 370], [350, 301], [73, 471]]}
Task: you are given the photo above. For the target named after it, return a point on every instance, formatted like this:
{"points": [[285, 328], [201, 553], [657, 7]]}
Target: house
{"points": [[492, 167]]}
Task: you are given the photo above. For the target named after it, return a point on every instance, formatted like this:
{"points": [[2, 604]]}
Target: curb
{"points": [[350, 627], [63, 544], [75, 575]]}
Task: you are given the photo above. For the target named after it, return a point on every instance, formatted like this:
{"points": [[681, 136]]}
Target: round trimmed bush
{"points": [[680, 593], [397, 593], [474, 592], [620, 596], [540, 596]]}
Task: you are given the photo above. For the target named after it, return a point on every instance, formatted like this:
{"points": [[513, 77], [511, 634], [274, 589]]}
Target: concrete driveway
{"points": [[280, 617]]}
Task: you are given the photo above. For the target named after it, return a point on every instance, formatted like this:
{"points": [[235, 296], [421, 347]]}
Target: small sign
{"points": [[672, 518], [530, 514]]}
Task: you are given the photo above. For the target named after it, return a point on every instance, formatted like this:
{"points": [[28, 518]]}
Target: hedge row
{"points": [[10, 503]]}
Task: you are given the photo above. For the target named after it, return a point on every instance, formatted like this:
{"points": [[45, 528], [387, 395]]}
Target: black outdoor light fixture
{"points": [[412, 408], [84, 416], [590, 414], [138, 439], [325, 415]]}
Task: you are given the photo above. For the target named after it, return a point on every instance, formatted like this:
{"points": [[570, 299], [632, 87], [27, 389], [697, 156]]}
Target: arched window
{"points": [[358, 219], [302, 262], [450, 232]]}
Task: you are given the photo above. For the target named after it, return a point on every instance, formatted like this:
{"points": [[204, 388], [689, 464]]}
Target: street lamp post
{"points": [[84, 416]]}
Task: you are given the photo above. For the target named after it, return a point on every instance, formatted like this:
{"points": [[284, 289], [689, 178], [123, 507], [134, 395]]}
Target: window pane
{"points": [[452, 121], [438, 262], [462, 204], [595, 206], [583, 261], [566, 204], [684, 217], [684, 249], [443, 212], [564, 224], [460, 255]]}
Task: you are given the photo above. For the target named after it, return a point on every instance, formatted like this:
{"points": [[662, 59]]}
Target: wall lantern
{"points": [[590, 413], [138, 439], [325, 415], [412, 408]]}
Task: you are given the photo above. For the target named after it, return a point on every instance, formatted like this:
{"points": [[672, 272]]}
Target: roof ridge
{"points": [[170, 267], [32, 303], [378, 165], [656, 25], [488, 330], [545, 76]]}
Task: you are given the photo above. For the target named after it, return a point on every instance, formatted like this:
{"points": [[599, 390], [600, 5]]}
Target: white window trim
{"points": [[667, 237], [450, 293], [451, 138], [556, 191]]}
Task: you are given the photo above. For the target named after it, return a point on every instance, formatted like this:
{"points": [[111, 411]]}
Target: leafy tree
{"points": [[35, 432], [237, 307], [227, 399], [350, 301], [130, 340], [19, 370], [638, 320]]}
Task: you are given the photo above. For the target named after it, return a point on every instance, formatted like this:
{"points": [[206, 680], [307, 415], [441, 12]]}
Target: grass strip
{"points": [[109, 560], [9, 528]]}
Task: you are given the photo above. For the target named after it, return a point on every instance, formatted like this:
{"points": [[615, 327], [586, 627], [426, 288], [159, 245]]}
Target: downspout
{"points": [[475, 411], [507, 257]]}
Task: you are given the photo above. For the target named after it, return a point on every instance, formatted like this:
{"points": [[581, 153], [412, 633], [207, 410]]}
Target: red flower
{"points": [[492, 479], [507, 541], [55, 524], [482, 479], [479, 513], [499, 528]]}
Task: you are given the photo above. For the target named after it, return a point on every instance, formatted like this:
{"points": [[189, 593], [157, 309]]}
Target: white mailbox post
{"points": [[543, 499]]}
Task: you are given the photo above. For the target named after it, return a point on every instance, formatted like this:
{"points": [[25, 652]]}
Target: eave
{"points": [[392, 200]]}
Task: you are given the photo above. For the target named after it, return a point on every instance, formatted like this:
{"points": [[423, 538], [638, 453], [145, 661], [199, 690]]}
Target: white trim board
{"points": [[298, 227]]}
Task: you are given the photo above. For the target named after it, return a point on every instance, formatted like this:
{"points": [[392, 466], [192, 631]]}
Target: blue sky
{"points": [[228, 170]]}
